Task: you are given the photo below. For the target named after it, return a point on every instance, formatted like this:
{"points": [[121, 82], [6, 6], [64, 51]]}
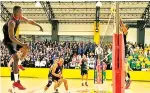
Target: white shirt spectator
{"points": [[37, 63], [99, 51], [74, 59], [109, 51], [145, 53], [92, 61], [43, 63], [132, 51]]}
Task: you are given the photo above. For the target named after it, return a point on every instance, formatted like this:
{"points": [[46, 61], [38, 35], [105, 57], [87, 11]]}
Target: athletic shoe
{"points": [[18, 85], [82, 84], [21, 67], [86, 84], [128, 85], [45, 88], [56, 91]]}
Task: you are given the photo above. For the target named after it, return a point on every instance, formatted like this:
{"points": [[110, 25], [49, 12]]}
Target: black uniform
{"points": [[84, 65], [7, 41], [58, 70]]}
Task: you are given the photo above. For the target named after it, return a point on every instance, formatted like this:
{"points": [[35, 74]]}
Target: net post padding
{"points": [[118, 64]]}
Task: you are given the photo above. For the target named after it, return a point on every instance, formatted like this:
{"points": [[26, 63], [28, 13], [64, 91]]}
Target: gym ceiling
{"points": [[79, 12]]}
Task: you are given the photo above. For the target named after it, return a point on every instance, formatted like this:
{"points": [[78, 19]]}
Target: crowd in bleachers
{"points": [[42, 54], [139, 56]]}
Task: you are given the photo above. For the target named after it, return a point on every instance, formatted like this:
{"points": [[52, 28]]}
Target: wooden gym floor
{"points": [[35, 85]]}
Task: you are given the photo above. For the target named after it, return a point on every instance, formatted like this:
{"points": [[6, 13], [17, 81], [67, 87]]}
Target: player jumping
{"points": [[10, 41]]}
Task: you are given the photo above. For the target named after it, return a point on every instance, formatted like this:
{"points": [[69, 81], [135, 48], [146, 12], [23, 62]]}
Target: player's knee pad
{"points": [[49, 83]]}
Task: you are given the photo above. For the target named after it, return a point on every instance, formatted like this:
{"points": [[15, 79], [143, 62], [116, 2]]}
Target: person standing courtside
{"points": [[99, 52]]}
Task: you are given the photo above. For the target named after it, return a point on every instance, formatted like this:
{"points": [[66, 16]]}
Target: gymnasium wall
{"points": [[67, 73], [76, 30], [132, 35], [82, 29], [28, 29], [147, 35]]}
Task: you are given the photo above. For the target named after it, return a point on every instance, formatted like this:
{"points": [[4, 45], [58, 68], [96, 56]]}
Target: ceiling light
{"points": [[98, 4], [38, 4]]}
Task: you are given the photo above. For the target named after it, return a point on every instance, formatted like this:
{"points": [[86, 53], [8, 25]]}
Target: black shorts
{"points": [[49, 76], [84, 72], [18, 47], [13, 77], [12, 48], [55, 78]]}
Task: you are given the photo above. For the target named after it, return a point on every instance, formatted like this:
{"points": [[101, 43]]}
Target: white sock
{"points": [[16, 77], [19, 63]]}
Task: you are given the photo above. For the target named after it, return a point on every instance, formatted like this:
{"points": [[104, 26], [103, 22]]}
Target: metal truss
{"points": [[48, 10], [38, 21], [5, 14], [146, 15]]}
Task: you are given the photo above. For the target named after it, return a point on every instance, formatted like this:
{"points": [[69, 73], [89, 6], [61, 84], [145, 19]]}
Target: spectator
{"points": [[47, 51], [92, 62], [43, 63], [99, 52]]}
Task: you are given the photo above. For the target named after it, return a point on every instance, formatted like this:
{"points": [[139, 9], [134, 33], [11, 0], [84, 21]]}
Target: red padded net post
{"points": [[118, 64]]}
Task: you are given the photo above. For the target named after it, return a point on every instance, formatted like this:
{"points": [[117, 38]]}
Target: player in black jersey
{"points": [[50, 76], [10, 41], [84, 69], [57, 77]]}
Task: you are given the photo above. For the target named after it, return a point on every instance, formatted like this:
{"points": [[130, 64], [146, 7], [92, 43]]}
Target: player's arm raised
{"points": [[54, 69], [11, 26], [31, 22]]}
